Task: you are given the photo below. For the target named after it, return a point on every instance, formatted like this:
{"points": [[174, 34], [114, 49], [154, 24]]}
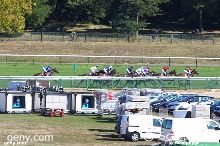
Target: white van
{"points": [[135, 127], [189, 130]]}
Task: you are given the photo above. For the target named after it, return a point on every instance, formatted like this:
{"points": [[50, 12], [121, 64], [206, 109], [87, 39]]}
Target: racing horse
{"points": [[51, 73], [193, 73]]}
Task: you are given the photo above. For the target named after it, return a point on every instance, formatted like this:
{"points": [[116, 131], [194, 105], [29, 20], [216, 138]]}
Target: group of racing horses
{"points": [[135, 74], [113, 72]]}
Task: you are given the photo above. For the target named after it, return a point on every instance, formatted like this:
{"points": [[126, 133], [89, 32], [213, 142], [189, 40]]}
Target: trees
{"points": [[129, 13], [87, 10], [12, 14], [40, 12]]}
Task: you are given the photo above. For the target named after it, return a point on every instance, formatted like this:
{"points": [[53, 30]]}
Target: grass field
{"points": [[67, 70], [89, 130], [70, 130]]}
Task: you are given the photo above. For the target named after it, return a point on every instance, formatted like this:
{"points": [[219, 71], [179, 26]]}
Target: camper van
{"points": [[135, 127], [15, 102], [189, 130], [84, 103]]}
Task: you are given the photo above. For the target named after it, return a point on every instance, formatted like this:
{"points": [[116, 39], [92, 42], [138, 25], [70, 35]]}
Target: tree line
{"points": [[122, 15]]}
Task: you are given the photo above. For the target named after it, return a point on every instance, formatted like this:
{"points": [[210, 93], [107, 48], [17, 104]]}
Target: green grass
{"points": [[70, 130], [67, 70]]}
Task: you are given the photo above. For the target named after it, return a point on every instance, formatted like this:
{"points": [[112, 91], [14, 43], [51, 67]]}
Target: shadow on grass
{"points": [[110, 137], [102, 130], [101, 119]]}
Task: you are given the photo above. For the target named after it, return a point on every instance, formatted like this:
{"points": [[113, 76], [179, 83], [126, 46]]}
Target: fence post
{"points": [[213, 39], [63, 36], [128, 37], [181, 36], [41, 36], [6, 59], [88, 60], [196, 62], [169, 62], [117, 36], [60, 60], [33, 60], [85, 37], [171, 39]]}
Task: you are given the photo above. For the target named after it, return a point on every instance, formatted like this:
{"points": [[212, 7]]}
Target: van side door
{"points": [[155, 129]]}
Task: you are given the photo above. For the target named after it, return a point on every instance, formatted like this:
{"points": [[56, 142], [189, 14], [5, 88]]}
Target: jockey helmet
{"points": [[97, 65]]}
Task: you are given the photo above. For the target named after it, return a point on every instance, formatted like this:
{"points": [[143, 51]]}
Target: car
{"points": [[186, 103], [217, 111], [213, 108], [164, 104]]}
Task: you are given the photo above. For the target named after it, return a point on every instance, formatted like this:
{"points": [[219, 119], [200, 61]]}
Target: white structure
{"points": [[135, 127], [15, 102], [134, 105], [84, 103], [189, 130], [54, 100], [201, 111]]}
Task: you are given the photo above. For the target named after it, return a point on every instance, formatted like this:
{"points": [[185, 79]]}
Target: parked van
{"points": [[189, 130], [135, 127]]}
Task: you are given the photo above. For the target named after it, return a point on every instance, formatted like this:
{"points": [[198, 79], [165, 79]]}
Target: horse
{"points": [[193, 73], [172, 73], [51, 73]]}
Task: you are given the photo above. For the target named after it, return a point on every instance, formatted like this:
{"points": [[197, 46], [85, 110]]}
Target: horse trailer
{"points": [[53, 100], [84, 103], [15, 102]]}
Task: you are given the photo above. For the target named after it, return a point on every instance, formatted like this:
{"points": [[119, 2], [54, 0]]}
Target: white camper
{"points": [[189, 130], [134, 105], [54, 100], [84, 103], [135, 127], [15, 102]]}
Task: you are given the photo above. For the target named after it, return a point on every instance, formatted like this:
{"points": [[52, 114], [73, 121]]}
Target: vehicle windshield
{"points": [[217, 102]]}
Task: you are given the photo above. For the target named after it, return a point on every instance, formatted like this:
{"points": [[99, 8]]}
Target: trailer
{"points": [[15, 102], [84, 103], [53, 100]]}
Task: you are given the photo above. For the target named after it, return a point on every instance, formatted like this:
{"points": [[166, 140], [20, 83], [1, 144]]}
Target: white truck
{"points": [[196, 130]]}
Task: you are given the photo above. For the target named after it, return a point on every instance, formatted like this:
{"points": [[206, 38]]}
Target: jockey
{"points": [[94, 69], [139, 71], [107, 69], [165, 70], [188, 71], [46, 69], [145, 70], [129, 70]]}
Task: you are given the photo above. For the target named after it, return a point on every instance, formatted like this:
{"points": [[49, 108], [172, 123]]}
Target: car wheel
{"points": [[134, 136]]}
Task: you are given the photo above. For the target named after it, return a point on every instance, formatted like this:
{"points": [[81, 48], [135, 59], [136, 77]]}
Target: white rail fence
{"points": [[121, 82], [69, 59]]}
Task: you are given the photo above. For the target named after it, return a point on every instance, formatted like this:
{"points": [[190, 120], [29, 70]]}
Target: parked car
{"points": [[217, 111], [164, 104], [213, 107], [189, 130], [186, 103], [135, 127]]}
